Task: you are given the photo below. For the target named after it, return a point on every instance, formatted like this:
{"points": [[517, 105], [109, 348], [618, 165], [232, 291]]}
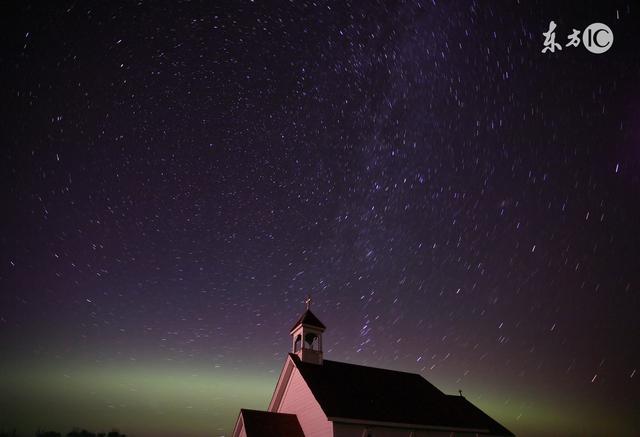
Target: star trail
{"points": [[177, 177]]}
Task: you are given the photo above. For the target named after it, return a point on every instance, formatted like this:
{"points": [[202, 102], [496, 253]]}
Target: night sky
{"points": [[178, 176]]}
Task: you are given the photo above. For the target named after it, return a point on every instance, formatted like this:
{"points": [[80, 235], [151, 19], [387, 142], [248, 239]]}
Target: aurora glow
{"points": [[144, 400], [178, 176], [151, 400]]}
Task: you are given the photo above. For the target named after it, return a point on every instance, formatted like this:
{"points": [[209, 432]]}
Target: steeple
{"points": [[307, 336]]}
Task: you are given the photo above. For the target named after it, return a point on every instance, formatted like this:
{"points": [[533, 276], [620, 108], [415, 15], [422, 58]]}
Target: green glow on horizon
{"points": [[193, 401], [138, 400], [548, 414]]}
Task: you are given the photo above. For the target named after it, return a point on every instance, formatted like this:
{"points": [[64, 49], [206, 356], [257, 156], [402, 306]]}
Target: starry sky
{"points": [[178, 176]]}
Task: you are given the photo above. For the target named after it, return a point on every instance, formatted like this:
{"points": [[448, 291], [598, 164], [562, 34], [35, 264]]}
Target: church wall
{"points": [[299, 400], [351, 430], [239, 430]]}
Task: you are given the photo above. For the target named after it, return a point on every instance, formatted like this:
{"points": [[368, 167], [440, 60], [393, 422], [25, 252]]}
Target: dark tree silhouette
{"points": [[75, 432], [84, 433]]}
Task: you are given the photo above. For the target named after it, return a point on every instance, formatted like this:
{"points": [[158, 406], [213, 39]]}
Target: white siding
{"points": [[352, 430], [239, 430], [348, 430], [299, 400]]}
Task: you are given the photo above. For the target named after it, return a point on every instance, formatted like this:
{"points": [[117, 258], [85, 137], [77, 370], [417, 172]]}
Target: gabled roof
{"points": [[266, 424], [360, 393], [464, 411], [308, 318]]}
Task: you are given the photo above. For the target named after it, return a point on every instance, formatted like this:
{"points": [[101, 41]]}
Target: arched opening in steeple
{"points": [[297, 344]]}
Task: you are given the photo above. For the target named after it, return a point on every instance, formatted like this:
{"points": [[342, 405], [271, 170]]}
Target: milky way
{"points": [[178, 177]]}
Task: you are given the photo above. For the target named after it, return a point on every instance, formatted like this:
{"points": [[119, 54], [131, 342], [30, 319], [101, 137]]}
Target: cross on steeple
{"points": [[306, 336]]}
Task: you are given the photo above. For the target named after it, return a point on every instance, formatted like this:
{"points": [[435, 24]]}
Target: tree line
{"points": [[76, 432]]}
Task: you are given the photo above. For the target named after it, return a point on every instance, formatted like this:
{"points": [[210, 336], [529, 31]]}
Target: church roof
{"points": [[264, 423], [308, 318], [353, 392]]}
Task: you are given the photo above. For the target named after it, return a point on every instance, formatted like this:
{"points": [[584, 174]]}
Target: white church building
{"points": [[315, 397]]}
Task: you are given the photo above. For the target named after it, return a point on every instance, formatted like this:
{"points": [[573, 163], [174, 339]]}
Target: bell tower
{"points": [[306, 337]]}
